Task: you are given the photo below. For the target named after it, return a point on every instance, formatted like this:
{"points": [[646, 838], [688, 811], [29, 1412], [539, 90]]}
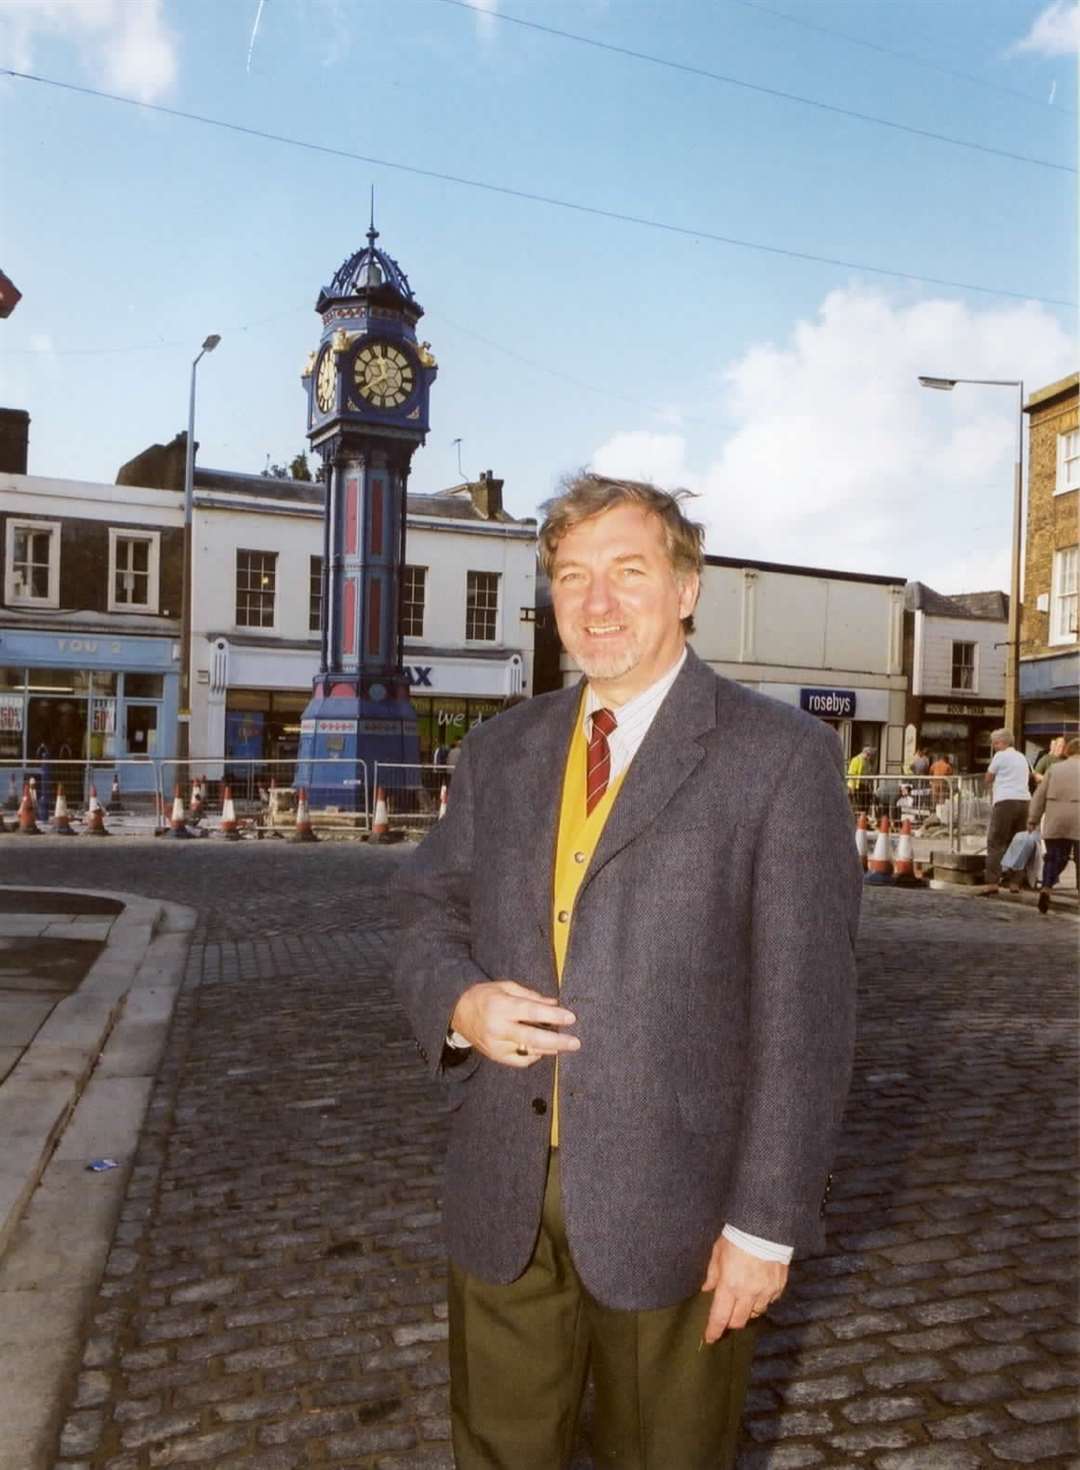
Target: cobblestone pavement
{"points": [[275, 1295]]}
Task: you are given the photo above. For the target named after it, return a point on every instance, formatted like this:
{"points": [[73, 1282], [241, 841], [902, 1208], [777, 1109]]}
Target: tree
{"points": [[296, 469]]}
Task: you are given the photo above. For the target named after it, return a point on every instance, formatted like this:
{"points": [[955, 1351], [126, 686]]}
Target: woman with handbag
{"points": [[1057, 804]]}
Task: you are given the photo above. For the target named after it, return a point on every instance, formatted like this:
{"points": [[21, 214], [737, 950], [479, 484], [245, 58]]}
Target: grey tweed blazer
{"points": [[710, 968]]}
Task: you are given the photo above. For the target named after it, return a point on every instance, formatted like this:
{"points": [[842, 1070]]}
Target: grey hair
{"points": [[1002, 737]]}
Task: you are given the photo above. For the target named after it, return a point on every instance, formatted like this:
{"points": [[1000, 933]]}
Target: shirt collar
{"points": [[652, 696]]}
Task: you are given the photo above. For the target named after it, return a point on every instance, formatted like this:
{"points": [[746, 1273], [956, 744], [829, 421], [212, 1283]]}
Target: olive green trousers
{"points": [[520, 1356]]}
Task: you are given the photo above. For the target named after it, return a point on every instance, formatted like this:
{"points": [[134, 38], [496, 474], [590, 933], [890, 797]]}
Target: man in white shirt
{"points": [[1009, 774]]}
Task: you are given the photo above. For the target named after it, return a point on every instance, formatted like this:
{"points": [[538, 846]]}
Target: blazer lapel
{"points": [[666, 757]]}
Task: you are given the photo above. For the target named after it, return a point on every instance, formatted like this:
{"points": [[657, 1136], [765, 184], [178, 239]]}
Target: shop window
{"points": [[481, 606], [58, 681], [33, 564], [1068, 462], [12, 678], [315, 594], [1063, 597], [256, 585], [413, 594], [144, 686], [103, 682], [963, 666], [133, 570], [142, 729]]}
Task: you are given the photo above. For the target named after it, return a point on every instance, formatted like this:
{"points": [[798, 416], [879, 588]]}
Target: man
{"points": [[628, 951], [859, 767], [1008, 774], [1055, 753]]}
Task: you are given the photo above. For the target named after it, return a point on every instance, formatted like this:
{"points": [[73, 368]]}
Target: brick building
{"points": [[1049, 644]]}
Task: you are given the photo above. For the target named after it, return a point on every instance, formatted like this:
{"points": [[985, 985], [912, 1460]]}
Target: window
{"points": [[412, 602], [256, 583], [1068, 462], [314, 618], [963, 665], [1063, 623], [133, 570], [33, 563], [144, 686], [481, 606]]}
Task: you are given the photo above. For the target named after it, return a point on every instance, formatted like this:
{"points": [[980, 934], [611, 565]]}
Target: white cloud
{"points": [[837, 458], [1055, 31], [125, 43]]}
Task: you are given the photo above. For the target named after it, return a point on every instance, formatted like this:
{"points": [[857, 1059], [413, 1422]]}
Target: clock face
{"points": [[383, 375], [324, 382]]}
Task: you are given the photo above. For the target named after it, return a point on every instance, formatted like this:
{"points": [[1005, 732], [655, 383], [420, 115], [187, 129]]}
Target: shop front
{"points": [[69, 701], [450, 696], [860, 717], [961, 731]]}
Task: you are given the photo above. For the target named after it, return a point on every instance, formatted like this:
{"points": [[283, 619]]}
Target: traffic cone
{"points": [[862, 841], [904, 864], [177, 825], [28, 826], [61, 822], [95, 818], [229, 826], [881, 868], [115, 803], [12, 803], [305, 832], [443, 795], [380, 824]]}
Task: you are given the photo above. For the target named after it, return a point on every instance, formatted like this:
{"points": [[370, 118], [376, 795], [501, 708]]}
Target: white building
{"points": [[828, 642], [467, 611], [958, 645]]}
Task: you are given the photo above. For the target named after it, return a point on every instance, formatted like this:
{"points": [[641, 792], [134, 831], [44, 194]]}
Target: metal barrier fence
{"points": [[953, 808], [263, 791], [411, 791]]}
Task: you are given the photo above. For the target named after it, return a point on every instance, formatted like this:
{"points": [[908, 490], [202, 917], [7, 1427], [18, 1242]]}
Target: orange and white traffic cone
{"points": [[28, 826], [904, 864], [61, 822], [305, 832], [862, 841], [229, 825], [115, 803], [177, 824], [95, 817], [380, 822], [880, 864], [443, 797]]}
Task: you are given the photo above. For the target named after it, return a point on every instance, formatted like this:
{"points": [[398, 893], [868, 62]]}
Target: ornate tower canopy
{"points": [[371, 275]]}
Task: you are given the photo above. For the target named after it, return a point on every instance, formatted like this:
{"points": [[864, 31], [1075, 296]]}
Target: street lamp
{"points": [[1012, 647], [183, 718]]}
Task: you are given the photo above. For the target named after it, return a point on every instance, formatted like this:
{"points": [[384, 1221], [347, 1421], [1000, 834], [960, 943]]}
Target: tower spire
{"points": [[372, 233]]}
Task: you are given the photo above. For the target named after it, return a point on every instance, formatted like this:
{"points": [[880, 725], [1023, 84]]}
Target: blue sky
{"points": [[782, 390]]}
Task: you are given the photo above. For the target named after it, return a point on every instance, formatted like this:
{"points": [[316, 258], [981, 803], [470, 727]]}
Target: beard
{"points": [[601, 663]]}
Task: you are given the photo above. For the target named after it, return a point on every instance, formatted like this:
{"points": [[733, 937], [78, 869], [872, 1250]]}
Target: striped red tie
{"points": [[598, 769]]}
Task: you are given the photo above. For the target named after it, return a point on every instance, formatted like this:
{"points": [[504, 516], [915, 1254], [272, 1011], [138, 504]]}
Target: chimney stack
{"points": [[14, 441], [486, 495]]}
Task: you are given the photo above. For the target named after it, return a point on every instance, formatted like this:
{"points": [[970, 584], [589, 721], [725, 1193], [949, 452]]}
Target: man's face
{"points": [[618, 601]]}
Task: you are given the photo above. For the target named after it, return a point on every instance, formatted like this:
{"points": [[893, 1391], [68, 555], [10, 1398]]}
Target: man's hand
{"points": [[504, 1020], [743, 1286]]}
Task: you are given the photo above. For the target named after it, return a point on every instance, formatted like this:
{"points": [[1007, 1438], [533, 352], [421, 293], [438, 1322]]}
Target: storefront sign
{"points": [[973, 711], [11, 714], [418, 676], [829, 704], [103, 717]]}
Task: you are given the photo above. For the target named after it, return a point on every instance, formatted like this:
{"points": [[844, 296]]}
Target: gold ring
{"points": [[522, 1051]]}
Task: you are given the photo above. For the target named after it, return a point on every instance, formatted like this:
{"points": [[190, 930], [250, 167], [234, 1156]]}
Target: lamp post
{"points": [[183, 718], [1013, 717]]}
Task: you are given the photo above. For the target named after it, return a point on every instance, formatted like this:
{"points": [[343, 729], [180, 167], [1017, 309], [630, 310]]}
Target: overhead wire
{"points": [[909, 56], [508, 191], [759, 87]]}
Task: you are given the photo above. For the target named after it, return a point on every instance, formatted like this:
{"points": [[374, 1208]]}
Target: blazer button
{"points": [[579, 857], [539, 1106], [563, 916]]}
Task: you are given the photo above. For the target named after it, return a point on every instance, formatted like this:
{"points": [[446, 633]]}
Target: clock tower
{"points": [[367, 387]]}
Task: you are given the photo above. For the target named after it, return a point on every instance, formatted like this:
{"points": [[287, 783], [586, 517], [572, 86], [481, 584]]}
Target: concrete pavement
{"points": [[274, 1294]]}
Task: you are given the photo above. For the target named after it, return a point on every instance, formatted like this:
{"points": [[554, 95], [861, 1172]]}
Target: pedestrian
{"points": [[861, 766], [1056, 804], [1055, 753], [1009, 775], [920, 763], [940, 766], [628, 951], [453, 757]]}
